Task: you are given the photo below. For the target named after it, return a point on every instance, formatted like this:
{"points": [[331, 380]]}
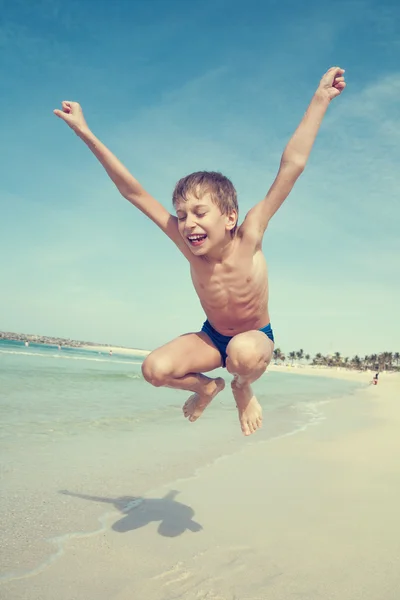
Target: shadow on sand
{"points": [[175, 518]]}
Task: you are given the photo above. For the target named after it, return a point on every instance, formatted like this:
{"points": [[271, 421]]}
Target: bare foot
{"points": [[250, 411], [195, 405]]}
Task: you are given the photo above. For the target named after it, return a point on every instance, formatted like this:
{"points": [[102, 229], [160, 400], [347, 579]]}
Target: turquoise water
{"points": [[46, 391], [88, 423]]}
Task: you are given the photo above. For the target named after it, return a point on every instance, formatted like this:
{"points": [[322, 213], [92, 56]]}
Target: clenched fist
{"points": [[72, 114]]}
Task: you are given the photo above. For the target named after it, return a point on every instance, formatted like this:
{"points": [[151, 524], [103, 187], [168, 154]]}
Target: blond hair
{"points": [[220, 188]]}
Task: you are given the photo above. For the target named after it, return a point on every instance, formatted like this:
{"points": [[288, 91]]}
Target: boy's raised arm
{"points": [[128, 186], [295, 155]]}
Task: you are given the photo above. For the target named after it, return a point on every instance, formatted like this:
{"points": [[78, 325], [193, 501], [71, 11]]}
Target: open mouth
{"points": [[197, 239]]}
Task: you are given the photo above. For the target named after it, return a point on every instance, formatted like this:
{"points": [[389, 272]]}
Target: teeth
{"points": [[196, 237]]}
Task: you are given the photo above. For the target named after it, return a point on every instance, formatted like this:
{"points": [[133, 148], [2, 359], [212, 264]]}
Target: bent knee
{"points": [[156, 370], [247, 354]]}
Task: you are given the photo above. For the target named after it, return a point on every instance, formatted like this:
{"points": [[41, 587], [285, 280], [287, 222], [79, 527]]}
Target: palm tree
{"points": [[374, 361], [356, 362], [277, 354], [367, 361], [383, 361], [318, 359], [389, 360]]}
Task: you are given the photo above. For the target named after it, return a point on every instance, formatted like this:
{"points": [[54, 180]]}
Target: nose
{"points": [[190, 222]]}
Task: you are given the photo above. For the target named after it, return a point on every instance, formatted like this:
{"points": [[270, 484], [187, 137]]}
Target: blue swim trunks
{"points": [[221, 341]]}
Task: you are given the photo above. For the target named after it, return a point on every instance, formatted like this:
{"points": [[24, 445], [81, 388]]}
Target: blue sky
{"points": [[174, 87]]}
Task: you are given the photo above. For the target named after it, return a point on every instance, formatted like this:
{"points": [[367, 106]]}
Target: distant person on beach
{"points": [[375, 379], [227, 266]]}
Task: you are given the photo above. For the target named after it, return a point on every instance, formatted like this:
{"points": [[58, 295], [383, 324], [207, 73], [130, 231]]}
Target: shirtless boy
{"points": [[227, 265]]}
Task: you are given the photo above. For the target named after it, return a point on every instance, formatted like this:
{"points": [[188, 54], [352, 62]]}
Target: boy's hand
{"points": [[72, 114], [332, 83]]}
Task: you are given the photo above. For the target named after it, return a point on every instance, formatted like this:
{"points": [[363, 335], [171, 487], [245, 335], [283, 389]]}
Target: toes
{"points": [[257, 423], [245, 428], [250, 427], [189, 401], [187, 411], [189, 405]]}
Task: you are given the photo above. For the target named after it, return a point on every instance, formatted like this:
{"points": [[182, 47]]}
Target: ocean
{"points": [[81, 433]]}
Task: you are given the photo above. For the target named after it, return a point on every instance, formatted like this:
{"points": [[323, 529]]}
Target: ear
{"points": [[231, 220]]}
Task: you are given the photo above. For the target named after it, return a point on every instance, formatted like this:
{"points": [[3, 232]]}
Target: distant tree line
{"points": [[385, 361]]}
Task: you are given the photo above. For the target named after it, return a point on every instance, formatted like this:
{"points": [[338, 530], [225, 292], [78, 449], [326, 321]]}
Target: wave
{"points": [[65, 357], [103, 375]]}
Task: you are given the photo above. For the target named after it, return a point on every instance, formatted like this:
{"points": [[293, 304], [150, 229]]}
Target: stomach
{"points": [[231, 321]]}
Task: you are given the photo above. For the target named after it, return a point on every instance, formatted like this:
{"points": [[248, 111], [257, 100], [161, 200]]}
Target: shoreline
{"points": [[310, 370], [300, 369], [330, 372], [116, 350]]}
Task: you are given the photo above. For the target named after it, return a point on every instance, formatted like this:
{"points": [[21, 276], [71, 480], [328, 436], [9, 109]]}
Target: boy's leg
{"points": [[249, 354], [180, 363]]}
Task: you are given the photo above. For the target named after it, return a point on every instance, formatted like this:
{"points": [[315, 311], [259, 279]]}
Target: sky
{"points": [[173, 87]]}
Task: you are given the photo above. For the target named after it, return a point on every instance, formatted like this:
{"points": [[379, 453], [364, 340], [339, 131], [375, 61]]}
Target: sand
{"points": [[118, 350], [309, 516], [331, 372]]}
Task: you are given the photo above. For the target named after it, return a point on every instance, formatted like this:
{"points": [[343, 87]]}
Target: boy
{"points": [[227, 266]]}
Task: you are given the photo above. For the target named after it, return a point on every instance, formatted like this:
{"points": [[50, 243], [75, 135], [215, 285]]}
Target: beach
{"points": [[117, 350], [310, 512]]}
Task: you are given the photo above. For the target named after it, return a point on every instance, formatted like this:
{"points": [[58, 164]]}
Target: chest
{"points": [[231, 276]]}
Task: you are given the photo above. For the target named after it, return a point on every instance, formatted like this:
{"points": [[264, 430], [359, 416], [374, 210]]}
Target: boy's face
{"points": [[201, 223]]}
